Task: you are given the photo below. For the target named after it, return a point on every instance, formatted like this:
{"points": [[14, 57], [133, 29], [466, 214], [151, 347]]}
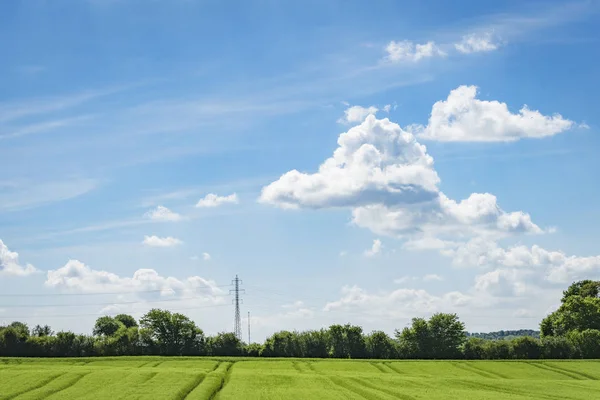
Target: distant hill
{"points": [[505, 334]]}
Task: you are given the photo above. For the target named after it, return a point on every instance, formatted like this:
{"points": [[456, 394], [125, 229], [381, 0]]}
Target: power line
{"points": [[249, 341]]}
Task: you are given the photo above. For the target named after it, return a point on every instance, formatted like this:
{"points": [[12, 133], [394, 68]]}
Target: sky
{"points": [[351, 161]]}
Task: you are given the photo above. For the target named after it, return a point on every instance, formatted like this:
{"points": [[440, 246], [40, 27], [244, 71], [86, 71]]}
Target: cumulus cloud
{"points": [[155, 241], [387, 178], [356, 114], [10, 265], [431, 224], [205, 256], [161, 213], [514, 269], [75, 276], [400, 302], [376, 162], [476, 42], [375, 248], [213, 200], [407, 51], [464, 118]]}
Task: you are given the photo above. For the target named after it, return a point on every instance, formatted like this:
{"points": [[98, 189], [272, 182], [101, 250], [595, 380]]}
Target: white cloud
{"points": [[155, 241], [432, 277], [464, 118], [343, 253], [9, 263], [213, 200], [77, 277], [161, 213], [376, 162], [441, 222], [387, 108], [388, 179], [205, 256], [357, 114], [407, 51], [514, 268], [474, 43], [400, 302], [375, 248]]}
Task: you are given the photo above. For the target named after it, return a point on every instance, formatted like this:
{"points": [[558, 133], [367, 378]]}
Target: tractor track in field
{"points": [[365, 394], [557, 371], [490, 387], [393, 368], [38, 385], [495, 374], [193, 385], [70, 384], [224, 381], [380, 367], [561, 368], [476, 370], [157, 364], [365, 382]]}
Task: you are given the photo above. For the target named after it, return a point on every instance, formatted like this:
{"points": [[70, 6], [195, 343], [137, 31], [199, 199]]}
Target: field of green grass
{"points": [[231, 378]]}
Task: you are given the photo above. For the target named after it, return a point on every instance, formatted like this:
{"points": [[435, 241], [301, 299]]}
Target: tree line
{"points": [[572, 331]]}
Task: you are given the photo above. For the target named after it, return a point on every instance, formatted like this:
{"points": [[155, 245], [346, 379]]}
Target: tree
{"points": [[440, 337], [447, 335], [526, 347], [585, 288], [224, 344], [41, 331], [315, 343], [379, 345], [173, 333], [126, 320], [106, 326], [556, 347], [586, 343], [576, 313], [474, 348]]}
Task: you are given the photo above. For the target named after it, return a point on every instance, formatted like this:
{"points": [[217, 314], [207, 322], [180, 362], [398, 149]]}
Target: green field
{"points": [[231, 378]]}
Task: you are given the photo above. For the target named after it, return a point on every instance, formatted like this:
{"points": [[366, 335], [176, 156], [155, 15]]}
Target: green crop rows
{"points": [[230, 378]]}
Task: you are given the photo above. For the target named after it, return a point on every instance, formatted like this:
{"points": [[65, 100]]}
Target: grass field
{"points": [[230, 378]]}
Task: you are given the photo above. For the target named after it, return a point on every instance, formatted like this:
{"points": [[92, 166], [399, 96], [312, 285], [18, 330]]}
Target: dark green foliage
{"points": [[380, 345], [439, 338], [585, 288], [224, 344], [126, 320], [556, 347], [526, 347], [171, 333]]}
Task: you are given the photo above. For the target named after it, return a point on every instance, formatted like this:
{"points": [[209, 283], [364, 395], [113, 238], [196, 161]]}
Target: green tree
{"points": [[586, 343], [440, 337], [379, 345], [585, 288], [224, 344], [315, 343], [474, 348], [106, 326], [526, 347], [126, 320], [173, 333], [576, 313], [41, 331]]}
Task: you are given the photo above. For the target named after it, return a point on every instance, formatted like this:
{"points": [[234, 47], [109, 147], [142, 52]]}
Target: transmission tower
{"points": [[237, 325]]}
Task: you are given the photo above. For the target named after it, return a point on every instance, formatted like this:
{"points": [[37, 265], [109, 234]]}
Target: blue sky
{"points": [[148, 150]]}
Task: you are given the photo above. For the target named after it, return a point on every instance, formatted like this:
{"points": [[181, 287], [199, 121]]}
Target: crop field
{"points": [[238, 378]]}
